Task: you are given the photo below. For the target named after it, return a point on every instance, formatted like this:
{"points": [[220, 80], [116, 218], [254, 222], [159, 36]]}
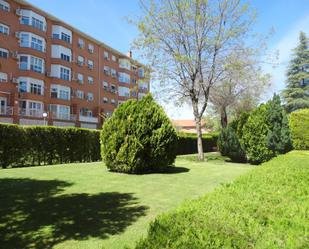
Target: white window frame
{"points": [[5, 6], [4, 29], [3, 77]]}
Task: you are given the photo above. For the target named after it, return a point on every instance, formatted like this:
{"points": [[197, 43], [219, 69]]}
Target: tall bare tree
{"points": [[241, 87], [187, 43]]}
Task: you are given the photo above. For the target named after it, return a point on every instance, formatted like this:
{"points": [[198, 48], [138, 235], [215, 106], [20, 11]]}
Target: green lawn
{"points": [[86, 206]]}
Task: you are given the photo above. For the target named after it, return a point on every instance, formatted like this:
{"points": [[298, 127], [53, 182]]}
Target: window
{"points": [[90, 48], [60, 92], [90, 96], [113, 88], [35, 108], [90, 64], [36, 88], [141, 95], [113, 101], [32, 41], [4, 6], [60, 111], [65, 73], [304, 82], [141, 73], [113, 58], [61, 33], [79, 94], [33, 19], [124, 78], [81, 43], [3, 77], [143, 85], [124, 91], [113, 73], [80, 78], [23, 62], [105, 85], [36, 64], [80, 60], [31, 85], [22, 86], [106, 70], [106, 57], [90, 80], [133, 81], [105, 100], [65, 57], [37, 24], [4, 53], [4, 29], [125, 63], [37, 44]]}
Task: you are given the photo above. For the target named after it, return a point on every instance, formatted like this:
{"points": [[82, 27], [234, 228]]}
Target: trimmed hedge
{"points": [[265, 208], [299, 126], [37, 145], [187, 143]]}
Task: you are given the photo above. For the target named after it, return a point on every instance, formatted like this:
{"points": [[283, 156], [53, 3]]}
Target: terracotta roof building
{"points": [[187, 125]]}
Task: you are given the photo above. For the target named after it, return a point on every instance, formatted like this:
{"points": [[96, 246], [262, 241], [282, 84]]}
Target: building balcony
{"points": [[63, 116], [6, 111], [88, 119], [23, 112]]}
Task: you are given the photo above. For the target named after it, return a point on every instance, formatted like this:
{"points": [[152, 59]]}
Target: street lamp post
{"points": [[45, 116]]}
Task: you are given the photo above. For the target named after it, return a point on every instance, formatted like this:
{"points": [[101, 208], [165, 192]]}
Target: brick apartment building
{"points": [[48, 68]]}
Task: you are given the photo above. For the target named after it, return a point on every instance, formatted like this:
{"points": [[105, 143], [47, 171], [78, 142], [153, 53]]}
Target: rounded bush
{"points": [[138, 138]]}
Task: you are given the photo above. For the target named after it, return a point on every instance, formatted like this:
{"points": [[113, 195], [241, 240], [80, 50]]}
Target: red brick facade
{"points": [[28, 89]]}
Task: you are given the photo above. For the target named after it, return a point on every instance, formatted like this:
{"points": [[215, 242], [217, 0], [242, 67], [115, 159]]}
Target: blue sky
{"points": [[105, 20]]}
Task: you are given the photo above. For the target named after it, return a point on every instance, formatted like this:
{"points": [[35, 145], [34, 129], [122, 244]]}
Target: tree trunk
{"points": [[199, 139], [223, 117]]}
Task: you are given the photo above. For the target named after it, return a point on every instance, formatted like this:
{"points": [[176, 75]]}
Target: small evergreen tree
{"points": [[296, 93], [138, 138]]}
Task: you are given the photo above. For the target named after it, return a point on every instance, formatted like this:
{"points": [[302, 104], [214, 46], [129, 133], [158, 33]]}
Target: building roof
{"points": [[185, 122]]}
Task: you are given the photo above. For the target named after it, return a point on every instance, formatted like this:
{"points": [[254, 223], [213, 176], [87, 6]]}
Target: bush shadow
{"points": [[34, 215]]}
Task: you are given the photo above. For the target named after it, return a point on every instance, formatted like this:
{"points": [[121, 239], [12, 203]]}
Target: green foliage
{"points": [[229, 145], [265, 208], [138, 138], [296, 93], [37, 145], [266, 133], [187, 143], [299, 125]]}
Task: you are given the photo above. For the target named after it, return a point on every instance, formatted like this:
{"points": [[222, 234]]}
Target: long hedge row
{"points": [[266, 208], [40, 145]]}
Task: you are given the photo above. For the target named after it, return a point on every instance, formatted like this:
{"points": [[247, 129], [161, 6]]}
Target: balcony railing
{"points": [[6, 110], [63, 116], [88, 119], [30, 112]]}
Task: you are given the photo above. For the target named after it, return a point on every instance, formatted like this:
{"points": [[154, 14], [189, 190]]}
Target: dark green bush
{"points": [[138, 138], [299, 125], [266, 133], [187, 143], [229, 145], [37, 145], [265, 208]]}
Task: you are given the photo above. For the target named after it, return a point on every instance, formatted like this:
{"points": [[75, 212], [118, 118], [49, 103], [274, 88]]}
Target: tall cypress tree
{"points": [[296, 94]]}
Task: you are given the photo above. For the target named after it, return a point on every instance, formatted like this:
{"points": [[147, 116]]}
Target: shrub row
{"points": [[299, 125], [265, 208], [187, 143], [37, 145]]}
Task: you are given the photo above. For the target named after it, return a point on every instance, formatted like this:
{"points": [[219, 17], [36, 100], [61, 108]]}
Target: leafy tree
{"points": [[187, 43], [138, 138], [296, 94], [241, 88]]}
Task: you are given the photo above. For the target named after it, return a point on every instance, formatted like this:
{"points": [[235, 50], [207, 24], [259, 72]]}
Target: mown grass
{"points": [[266, 208], [86, 206]]}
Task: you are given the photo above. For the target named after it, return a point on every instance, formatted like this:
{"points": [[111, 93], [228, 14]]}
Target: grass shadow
{"points": [[33, 216]]}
